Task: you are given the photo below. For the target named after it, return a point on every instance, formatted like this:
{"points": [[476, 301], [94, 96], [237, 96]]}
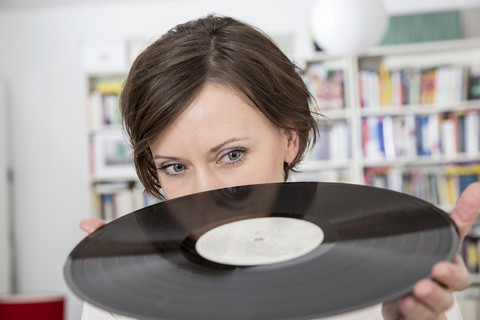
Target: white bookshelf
{"points": [[115, 188], [423, 56]]}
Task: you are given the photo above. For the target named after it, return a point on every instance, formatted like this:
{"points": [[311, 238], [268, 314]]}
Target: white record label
{"points": [[259, 241]]}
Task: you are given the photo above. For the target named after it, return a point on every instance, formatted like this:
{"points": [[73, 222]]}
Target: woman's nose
{"points": [[206, 180]]}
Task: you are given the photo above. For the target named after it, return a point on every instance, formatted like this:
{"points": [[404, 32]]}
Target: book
{"points": [[435, 184], [120, 198], [440, 85], [103, 103], [472, 132], [326, 85], [333, 142]]}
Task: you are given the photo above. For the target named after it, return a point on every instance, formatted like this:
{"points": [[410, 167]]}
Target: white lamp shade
{"points": [[348, 27]]}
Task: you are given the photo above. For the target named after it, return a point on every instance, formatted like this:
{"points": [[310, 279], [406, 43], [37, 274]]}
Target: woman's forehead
{"points": [[215, 115]]}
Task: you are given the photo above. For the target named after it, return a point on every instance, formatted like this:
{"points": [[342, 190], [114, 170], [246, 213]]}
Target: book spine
{"points": [[435, 184], [326, 85], [120, 198], [441, 85], [103, 104]]}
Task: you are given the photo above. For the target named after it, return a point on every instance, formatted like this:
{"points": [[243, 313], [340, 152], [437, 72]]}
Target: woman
{"points": [[214, 103]]}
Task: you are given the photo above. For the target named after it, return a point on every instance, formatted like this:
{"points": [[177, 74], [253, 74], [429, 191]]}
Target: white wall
{"points": [[41, 61], [5, 246], [393, 6]]}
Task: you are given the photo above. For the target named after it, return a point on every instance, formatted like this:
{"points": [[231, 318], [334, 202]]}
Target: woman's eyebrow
{"points": [[212, 150], [165, 157], [221, 145]]}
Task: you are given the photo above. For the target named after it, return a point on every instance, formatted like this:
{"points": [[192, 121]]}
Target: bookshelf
{"points": [[412, 113], [115, 188]]}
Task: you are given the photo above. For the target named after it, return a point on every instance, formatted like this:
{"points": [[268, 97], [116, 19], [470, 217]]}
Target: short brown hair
{"points": [[170, 73]]}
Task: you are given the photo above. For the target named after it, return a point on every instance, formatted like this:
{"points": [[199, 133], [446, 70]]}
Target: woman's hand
{"points": [[91, 224], [431, 298]]}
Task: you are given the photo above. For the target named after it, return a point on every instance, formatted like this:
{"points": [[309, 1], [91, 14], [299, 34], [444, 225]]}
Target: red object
{"points": [[32, 306]]}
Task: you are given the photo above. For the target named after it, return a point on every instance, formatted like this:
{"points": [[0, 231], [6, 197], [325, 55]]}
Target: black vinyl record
{"points": [[377, 244]]}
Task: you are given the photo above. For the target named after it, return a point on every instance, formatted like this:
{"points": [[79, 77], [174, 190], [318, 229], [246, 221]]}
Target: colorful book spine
{"points": [[470, 250], [103, 104], [333, 142], [447, 134], [116, 199], [436, 184], [410, 86], [326, 85]]}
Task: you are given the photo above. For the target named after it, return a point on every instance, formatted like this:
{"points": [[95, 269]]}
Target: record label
{"points": [[259, 241]]}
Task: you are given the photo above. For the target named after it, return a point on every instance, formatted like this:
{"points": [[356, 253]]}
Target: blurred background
{"points": [[59, 59]]}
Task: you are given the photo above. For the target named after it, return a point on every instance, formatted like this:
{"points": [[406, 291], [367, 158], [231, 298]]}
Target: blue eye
{"points": [[173, 169], [178, 167], [234, 155]]}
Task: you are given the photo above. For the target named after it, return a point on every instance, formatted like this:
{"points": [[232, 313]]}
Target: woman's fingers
{"points": [[454, 276], [428, 302], [433, 296]]}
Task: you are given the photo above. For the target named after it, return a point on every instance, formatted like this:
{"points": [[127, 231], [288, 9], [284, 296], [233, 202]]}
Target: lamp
{"points": [[348, 27]]}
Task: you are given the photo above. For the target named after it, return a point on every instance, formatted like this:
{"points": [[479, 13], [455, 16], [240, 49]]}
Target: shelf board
{"points": [[421, 161], [399, 49], [113, 178], [423, 47], [319, 165], [460, 106], [333, 115]]}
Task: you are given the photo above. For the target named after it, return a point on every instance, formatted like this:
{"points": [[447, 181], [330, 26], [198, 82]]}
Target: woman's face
{"points": [[220, 141]]}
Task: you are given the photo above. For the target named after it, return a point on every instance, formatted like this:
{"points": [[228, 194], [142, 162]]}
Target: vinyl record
{"points": [[372, 246]]}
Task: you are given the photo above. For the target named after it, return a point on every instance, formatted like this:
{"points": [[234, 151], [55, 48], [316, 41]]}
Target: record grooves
{"points": [[377, 244]]}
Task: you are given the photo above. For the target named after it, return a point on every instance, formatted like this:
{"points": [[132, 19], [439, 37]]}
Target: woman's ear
{"points": [[292, 147]]}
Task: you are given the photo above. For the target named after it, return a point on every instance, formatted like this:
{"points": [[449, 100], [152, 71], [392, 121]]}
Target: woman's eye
{"points": [[178, 167], [173, 169], [233, 156]]}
